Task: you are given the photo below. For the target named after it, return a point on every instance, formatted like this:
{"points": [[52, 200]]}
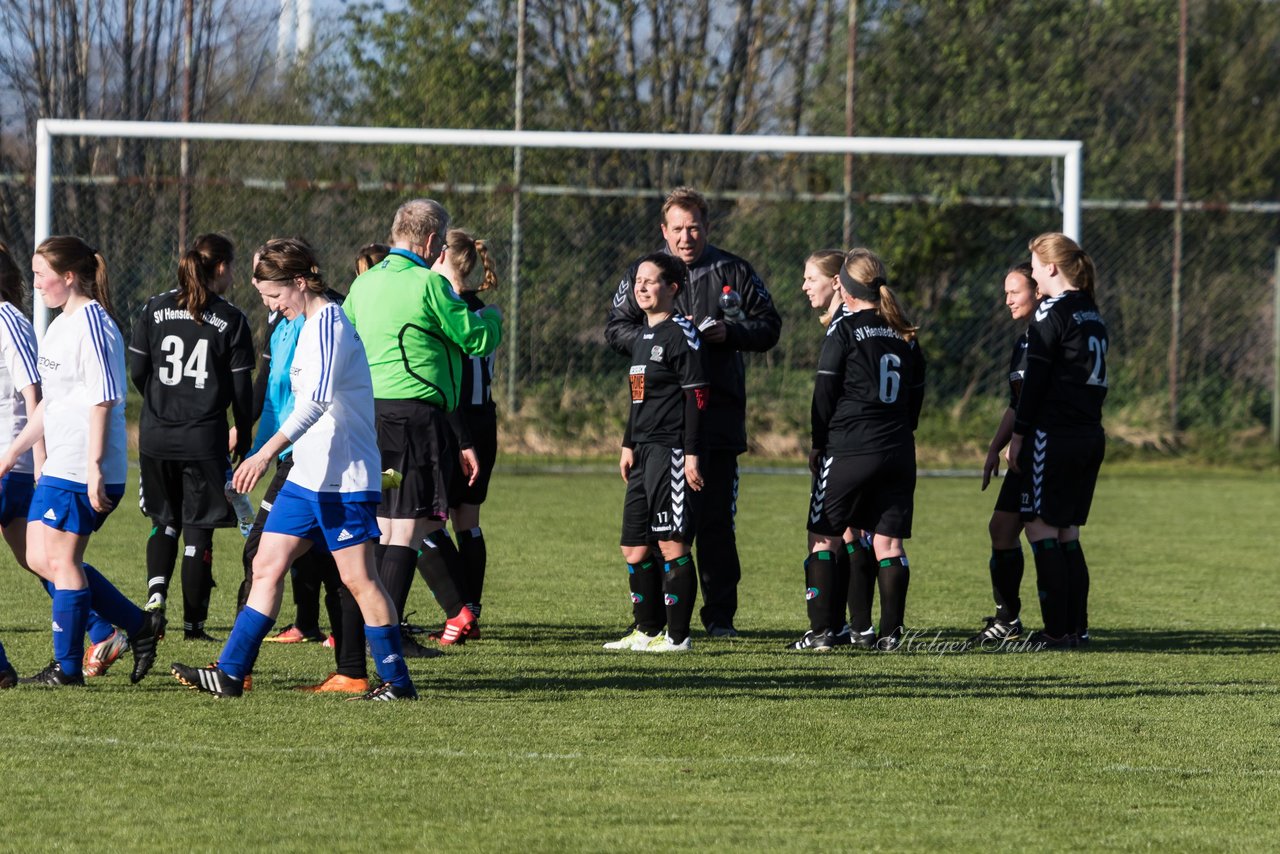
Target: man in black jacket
{"points": [[755, 328]]}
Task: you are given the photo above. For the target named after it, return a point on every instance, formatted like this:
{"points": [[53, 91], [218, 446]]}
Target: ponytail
{"points": [[1073, 262], [863, 276], [890, 309], [489, 280], [101, 286], [465, 251], [198, 268], [66, 254]]}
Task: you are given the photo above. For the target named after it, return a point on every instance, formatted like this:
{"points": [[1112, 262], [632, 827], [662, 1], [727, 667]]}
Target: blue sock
{"points": [[4, 662], [70, 613], [111, 603], [99, 629], [388, 660], [241, 651]]}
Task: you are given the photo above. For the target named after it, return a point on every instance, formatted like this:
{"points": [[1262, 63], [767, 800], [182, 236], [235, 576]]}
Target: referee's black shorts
{"points": [[177, 493], [415, 439], [873, 492], [1059, 474]]}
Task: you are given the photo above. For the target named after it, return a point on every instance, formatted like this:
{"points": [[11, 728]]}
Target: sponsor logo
{"points": [[391, 659], [49, 363], [56, 627], [49, 514], [345, 535]]}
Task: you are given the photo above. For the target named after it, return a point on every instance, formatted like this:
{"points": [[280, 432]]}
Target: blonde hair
{"points": [[464, 251], [67, 254], [828, 262], [1073, 262], [685, 198], [866, 268]]}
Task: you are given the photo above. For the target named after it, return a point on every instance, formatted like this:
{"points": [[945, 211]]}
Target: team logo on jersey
{"points": [[624, 288], [655, 355], [637, 383]]}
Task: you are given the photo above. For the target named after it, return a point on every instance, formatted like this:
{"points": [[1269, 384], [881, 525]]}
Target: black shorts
{"points": [[483, 427], [873, 492], [1059, 473], [655, 507], [177, 493], [415, 439], [1010, 498]]}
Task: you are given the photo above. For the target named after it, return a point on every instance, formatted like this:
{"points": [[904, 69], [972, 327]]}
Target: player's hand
{"points": [[249, 472], [991, 467], [470, 465], [231, 442], [1011, 453], [625, 462], [815, 460], [715, 332], [97, 490], [691, 473]]}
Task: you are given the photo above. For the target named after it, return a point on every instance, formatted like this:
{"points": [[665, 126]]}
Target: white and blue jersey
{"points": [[335, 446], [81, 365], [18, 370]]}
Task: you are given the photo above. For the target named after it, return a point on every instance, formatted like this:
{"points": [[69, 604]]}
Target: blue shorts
{"points": [[330, 525], [64, 505], [16, 489]]}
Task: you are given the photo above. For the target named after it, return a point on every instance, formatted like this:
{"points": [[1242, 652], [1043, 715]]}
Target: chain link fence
{"points": [[562, 391]]}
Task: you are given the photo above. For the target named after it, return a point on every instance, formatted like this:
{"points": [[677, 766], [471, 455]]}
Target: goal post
{"points": [[1069, 151]]}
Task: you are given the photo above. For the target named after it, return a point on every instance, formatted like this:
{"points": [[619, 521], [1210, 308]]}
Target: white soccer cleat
{"points": [[635, 641], [662, 643]]}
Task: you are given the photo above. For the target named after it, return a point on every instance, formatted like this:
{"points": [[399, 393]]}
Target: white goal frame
{"points": [[1071, 151]]}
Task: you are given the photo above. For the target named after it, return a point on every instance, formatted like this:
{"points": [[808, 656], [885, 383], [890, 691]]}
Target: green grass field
{"points": [[1165, 735]]}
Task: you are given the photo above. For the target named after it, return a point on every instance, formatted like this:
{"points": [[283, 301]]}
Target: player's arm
{"points": [[477, 333], [31, 435], [1041, 343], [760, 326], [827, 386], [625, 319], [242, 387], [18, 346], [915, 383], [140, 351]]}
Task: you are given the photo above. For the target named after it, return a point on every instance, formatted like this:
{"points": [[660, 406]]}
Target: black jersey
{"points": [[1017, 369], [869, 387], [189, 373], [756, 331], [477, 371], [668, 380], [1066, 378]]}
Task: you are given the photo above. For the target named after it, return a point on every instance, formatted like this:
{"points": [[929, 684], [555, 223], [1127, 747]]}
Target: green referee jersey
{"points": [[416, 330]]}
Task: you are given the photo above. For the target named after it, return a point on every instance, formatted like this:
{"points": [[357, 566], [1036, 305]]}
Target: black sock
{"points": [[197, 576], [679, 588], [1051, 580], [862, 585], [441, 567], [1006, 567], [305, 578], [839, 590], [1078, 583], [396, 571], [474, 558], [645, 583], [348, 638], [819, 588], [162, 553], [894, 577]]}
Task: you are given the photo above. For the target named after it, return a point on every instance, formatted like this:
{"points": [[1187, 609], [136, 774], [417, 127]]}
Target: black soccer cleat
{"points": [[1045, 642], [996, 633], [144, 642], [889, 642], [199, 635], [53, 677], [208, 680], [862, 640], [818, 641], [386, 692]]}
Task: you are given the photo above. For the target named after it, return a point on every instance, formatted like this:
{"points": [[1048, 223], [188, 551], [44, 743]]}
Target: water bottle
{"points": [[242, 507], [730, 303]]}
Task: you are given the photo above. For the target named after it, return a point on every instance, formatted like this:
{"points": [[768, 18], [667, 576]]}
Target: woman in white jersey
{"points": [[330, 497], [81, 417]]}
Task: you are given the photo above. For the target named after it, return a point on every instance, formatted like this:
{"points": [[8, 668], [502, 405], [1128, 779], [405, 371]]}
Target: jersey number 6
{"points": [[890, 379]]}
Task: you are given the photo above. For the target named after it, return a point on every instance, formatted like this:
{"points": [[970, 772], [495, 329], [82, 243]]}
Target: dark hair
{"points": [[198, 267], [370, 255], [465, 251], [67, 254], [285, 259], [1023, 270], [12, 288], [1074, 263], [673, 270]]}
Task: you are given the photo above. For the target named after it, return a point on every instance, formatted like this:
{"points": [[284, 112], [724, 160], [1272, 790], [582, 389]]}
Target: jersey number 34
{"points": [[174, 368]]}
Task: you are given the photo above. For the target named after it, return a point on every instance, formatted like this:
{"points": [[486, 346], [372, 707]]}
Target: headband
{"points": [[857, 290]]}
